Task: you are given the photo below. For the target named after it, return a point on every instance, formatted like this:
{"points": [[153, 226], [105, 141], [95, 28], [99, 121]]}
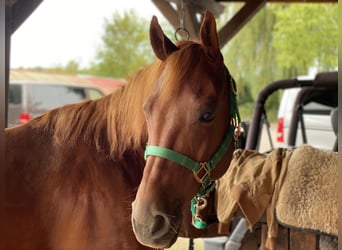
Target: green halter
{"points": [[201, 170]]}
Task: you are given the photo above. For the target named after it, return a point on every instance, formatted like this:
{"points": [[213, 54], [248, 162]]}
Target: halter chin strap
{"points": [[201, 170]]}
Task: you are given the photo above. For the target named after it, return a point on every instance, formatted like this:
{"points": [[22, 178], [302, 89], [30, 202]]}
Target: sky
{"points": [[62, 30]]}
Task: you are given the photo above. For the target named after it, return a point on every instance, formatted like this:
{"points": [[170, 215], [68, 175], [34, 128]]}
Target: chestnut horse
{"points": [[73, 173], [189, 127]]}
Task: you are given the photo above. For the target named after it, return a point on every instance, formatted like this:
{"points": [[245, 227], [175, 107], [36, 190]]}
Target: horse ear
{"points": [[208, 35], [162, 46]]}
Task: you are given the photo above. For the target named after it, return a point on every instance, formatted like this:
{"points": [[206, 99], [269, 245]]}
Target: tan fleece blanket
{"points": [[308, 197], [298, 187]]}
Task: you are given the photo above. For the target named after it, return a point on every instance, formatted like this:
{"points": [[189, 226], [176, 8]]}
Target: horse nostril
{"points": [[160, 227]]}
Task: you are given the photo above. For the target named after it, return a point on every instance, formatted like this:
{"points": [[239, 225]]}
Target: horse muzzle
{"points": [[154, 228]]}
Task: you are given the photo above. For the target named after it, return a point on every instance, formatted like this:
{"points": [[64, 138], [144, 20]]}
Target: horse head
{"points": [[190, 133]]}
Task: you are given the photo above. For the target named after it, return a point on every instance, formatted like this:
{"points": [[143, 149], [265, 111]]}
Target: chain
{"points": [[182, 31], [181, 15]]}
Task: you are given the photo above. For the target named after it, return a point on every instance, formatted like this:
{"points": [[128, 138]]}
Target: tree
{"points": [[281, 41], [125, 46], [306, 36], [250, 58], [72, 67]]}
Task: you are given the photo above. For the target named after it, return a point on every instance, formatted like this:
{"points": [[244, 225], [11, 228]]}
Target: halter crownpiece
{"points": [[201, 170]]}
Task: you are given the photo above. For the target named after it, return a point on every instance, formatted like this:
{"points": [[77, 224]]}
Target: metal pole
{"points": [[191, 244]]}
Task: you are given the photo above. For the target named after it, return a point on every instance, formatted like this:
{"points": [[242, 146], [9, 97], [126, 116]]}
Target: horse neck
{"points": [[114, 124], [126, 125]]}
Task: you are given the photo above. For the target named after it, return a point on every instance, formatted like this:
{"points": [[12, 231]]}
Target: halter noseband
{"points": [[201, 170]]}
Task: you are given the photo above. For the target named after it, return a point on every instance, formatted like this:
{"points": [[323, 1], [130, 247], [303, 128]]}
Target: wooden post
{"points": [[282, 241], [303, 241]]}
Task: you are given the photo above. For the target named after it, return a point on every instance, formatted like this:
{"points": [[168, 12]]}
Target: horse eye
{"points": [[207, 117]]}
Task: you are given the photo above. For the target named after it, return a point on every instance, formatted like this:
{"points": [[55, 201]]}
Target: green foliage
{"points": [[305, 35], [250, 58], [125, 46], [281, 41], [72, 67]]}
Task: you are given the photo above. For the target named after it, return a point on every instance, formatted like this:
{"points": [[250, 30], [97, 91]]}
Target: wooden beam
{"points": [[239, 20], [3, 95], [3, 101], [282, 1], [302, 1], [301, 240], [20, 11], [192, 25], [168, 11], [8, 31], [200, 6], [282, 241], [191, 8], [16, 12]]}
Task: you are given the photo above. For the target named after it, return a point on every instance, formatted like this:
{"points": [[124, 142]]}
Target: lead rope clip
{"points": [[199, 203]]}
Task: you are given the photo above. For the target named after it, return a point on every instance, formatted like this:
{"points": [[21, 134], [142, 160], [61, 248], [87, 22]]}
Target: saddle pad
{"points": [[308, 196]]}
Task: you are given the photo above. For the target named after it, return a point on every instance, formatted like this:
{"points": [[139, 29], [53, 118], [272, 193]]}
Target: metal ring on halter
{"points": [[179, 32]]}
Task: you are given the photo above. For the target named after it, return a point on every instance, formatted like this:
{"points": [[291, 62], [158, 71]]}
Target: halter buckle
{"points": [[202, 170]]}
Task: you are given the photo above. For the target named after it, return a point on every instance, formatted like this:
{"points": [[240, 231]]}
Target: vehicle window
{"points": [[321, 103], [14, 95], [52, 96], [317, 108], [94, 94]]}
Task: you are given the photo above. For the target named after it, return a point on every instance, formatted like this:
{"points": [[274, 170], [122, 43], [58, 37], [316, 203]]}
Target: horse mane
{"points": [[113, 123], [116, 122]]}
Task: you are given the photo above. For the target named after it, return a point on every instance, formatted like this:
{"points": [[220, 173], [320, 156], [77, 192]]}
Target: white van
{"points": [[309, 110], [29, 99]]}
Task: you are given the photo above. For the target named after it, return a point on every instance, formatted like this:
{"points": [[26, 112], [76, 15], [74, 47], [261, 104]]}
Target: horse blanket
{"points": [[296, 188]]}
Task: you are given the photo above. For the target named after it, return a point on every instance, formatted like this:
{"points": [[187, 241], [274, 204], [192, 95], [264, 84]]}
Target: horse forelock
{"points": [[184, 65]]}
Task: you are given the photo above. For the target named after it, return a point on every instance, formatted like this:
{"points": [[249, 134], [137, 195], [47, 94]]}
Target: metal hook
{"points": [[182, 31], [201, 203]]}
